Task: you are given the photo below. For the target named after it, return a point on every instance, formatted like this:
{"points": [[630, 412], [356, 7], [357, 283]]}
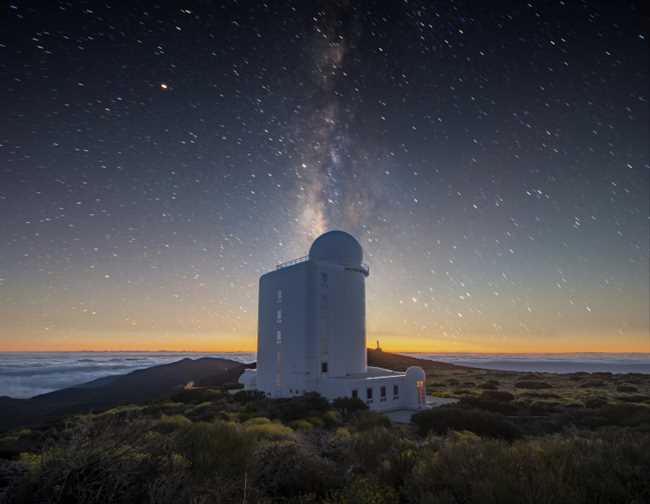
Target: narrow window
{"points": [[382, 393], [355, 394], [369, 393], [395, 391], [323, 280], [278, 337], [323, 367], [278, 316], [279, 295]]}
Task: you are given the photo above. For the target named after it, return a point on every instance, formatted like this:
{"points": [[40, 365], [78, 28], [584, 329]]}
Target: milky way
{"points": [[156, 159]]}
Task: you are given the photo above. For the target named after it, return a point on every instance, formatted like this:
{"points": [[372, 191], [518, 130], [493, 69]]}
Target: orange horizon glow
{"points": [[632, 343]]}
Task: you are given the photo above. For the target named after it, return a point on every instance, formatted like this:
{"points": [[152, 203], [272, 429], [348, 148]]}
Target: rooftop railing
{"points": [[363, 268], [292, 262]]}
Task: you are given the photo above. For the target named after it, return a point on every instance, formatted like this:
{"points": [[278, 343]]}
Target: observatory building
{"points": [[312, 332]]}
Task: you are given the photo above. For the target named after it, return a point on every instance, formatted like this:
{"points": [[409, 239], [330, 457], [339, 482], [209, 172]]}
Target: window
{"points": [[419, 384], [382, 393], [278, 316], [355, 394], [395, 391], [278, 337], [323, 367], [323, 280], [369, 393], [279, 296]]}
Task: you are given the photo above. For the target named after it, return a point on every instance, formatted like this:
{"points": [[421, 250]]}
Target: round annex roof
{"points": [[337, 247]]}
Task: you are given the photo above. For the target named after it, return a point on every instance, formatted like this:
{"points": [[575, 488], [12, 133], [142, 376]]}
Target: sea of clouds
{"points": [[29, 374]]}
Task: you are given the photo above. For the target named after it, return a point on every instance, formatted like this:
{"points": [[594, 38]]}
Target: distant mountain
{"points": [[397, 362], [149, 384]]}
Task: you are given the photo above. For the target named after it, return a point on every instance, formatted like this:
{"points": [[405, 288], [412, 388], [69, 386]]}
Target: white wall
{"points": [[337, 322], [292, 281]]}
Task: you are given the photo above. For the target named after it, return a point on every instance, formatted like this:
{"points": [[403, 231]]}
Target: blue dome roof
{"points": [[337, 247]]}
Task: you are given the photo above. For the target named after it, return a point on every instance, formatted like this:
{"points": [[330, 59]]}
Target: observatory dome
{"points": [[337, 247]]}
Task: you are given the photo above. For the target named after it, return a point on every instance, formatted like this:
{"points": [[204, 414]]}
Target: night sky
{"points": [[491, 158]]}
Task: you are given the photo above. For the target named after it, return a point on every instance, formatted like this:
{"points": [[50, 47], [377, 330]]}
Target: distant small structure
{"points": [[312, 332], [378, 348]]}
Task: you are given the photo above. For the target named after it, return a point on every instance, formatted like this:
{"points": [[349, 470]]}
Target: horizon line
{"points": [[368, 348]]}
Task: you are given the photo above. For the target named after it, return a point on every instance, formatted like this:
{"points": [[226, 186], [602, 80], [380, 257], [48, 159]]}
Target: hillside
{"points": [[154, 383], [142, 385]]}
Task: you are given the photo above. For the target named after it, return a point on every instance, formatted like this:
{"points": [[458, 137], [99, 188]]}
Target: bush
{"points": [[596, 402], [364, 490], [90, 465], [551, 470], [367, 420], [269, 430], [495, 406], [497, 395], [173, 423], [287, 470], [483, 423], [593, 384], [533, 385], [626, 388], [489, 385], [384, 454], [216, 448], [348, 406], [295, 408], [301, 425]]}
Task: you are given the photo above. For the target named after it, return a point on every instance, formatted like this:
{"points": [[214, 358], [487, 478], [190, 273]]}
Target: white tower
{"points": [[312, 318], [312, 331]]}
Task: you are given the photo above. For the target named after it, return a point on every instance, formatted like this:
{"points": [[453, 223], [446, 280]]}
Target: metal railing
{"points": [[292, 262], [363, 268]]}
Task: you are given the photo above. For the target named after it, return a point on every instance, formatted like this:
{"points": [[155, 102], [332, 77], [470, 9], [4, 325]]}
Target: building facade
{"points": [[312, 334]]}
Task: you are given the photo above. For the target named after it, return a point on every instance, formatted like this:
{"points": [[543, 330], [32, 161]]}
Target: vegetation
{"points": [[500, 443]]}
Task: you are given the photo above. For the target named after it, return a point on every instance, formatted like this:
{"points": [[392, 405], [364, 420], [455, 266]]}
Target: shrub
{"points": [[596, 402], [301, 425], [172, 423], [497, 395], [367, 420], [256, 421], [364, 490], [531, 384], [444, 419], [270, 431], [216, 448], [384, 454], [348, 406], [286, 470], [295, 408], [626, 388], [551, 470], [90, 465], [593, 384], [489, 385], [496, 406]]}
